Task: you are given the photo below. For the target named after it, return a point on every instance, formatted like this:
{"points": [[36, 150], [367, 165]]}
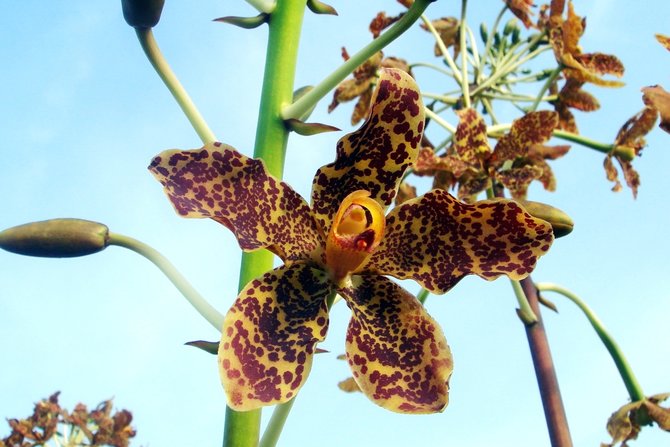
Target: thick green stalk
{"points": [[626, 372], [307, 101], [203, 307], [242, 428], [153, 53]]}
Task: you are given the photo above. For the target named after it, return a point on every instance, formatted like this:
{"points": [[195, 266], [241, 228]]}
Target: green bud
{"points": [[510, 26], [142, 13], [56, 238], [318, 7], [483, 32], [561, 223]]}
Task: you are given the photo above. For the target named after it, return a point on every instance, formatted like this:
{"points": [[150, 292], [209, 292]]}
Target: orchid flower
{"points": [[345, 244]]}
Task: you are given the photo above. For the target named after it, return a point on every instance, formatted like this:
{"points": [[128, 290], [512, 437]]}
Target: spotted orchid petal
{"points": [[437, 240], [237, 191], [269, 336], [397, 352], [375, 157]]}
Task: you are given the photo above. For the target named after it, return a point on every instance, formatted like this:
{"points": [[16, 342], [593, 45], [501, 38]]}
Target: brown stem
{"points": [[554, 412]]}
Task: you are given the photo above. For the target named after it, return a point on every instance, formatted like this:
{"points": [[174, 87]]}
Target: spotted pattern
{"points": [[237, 191], [269, 335], [532, 128], [375, 157], [396, 351], [470, 140], [437, 240]]}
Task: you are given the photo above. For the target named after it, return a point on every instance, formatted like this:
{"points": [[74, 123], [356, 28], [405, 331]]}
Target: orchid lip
{"points": [[356, 231]]}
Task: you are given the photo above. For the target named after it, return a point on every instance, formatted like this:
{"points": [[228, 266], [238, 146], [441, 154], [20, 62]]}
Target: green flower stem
{"points": [[489, 108], [439, 120], [517, 98], [433, 67], [475, 51], [200, 304], [550, 80], [442, 98], [511, 62], [626, 153], [150, 47], [489, 40], [242, 429], [422, 296], [525, 311], [629, 379], [465, 83], [306, 102], [443, 49], [276, 424]]}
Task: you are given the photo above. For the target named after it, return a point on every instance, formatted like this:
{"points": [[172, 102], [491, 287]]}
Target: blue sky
{"points": [[83, 113]]}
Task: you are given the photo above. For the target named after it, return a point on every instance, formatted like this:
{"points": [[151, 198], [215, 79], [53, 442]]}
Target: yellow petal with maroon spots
{"points": [[375, 157], [437, 240], [396, 351], [269, 336], [357, 229], [532, 128], [470, 141], [237, 191]]}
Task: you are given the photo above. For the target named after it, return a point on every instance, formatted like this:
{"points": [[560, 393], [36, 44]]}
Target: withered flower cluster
{"points": [[51, 423]]}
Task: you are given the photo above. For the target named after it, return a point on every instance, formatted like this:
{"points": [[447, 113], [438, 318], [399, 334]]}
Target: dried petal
{"points": [[521, 9], [447, 28], [396, 351], [601, 64], [237, 191], [573, 96], [663, 40], [349, 385], [517, 180], [375, 157], [381, 22], [611, 173], [405, 192], [348, 90], [437, 240], [362, 107], [269, 335], [634, 130], [655, 96]]}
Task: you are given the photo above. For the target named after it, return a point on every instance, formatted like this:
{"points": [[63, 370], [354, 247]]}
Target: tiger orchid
{"points": [[344, 243]]}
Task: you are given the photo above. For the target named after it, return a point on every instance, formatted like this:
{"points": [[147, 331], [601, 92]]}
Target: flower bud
{"points": [[318, 7], [56, 238], [510, 26], [142, 13], [561, 223], [483, 32]]}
